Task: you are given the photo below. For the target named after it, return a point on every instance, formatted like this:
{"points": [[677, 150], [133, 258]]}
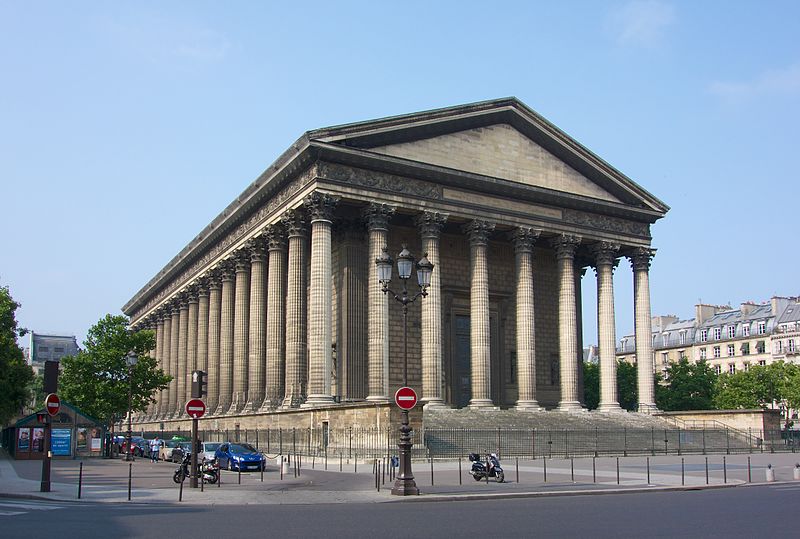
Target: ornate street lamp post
{"points": [[131, 361], [404, 485]]}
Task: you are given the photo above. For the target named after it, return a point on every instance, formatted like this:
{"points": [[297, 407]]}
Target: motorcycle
{"points": [[209, 470], [490, 468]]}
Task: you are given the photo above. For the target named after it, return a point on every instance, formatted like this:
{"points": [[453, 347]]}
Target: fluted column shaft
{"points": [[202, 327], [214, 333], [174, 359], [605, 257], [276, 323], [257, 353], [640, 261], [166, 348], [320, 208], [567, 327], [524, 240], [241, 321], [191, 349], [430, 225], [226, 337], [183, 337], [296, 319], [479, 331], [160, 358], [377, 217]]}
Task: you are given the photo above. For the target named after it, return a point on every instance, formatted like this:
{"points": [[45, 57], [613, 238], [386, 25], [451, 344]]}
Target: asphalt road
{"points": [[751, 511]]}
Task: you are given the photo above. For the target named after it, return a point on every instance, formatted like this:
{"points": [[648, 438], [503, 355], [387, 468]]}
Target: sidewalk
{"points": [[106, 480]]}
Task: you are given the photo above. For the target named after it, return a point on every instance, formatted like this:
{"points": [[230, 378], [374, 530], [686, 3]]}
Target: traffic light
{"points": [[198, 384]]}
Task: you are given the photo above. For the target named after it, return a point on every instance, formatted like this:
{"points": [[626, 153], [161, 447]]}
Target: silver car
{"points": [[208, 450]]}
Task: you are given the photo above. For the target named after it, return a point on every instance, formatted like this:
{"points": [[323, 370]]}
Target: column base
{"points": [[610, 408], [647, 409], [222, 408], [482, 404], [317, 400], [436, 404], [528, 406], [292, 402], [570, 406]]}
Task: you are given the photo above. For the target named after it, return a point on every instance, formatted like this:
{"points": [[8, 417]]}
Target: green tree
{"points": [[769, 386], [36, 393], [96, 379], [15, 374], [626, 385], [687, 386]]}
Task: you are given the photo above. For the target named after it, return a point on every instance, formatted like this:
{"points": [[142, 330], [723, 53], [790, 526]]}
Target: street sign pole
{"points": [[193, 479], [45, 484], [196, 409]]}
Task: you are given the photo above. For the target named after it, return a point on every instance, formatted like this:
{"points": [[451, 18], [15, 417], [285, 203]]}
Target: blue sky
{"points": [[127, 127]]}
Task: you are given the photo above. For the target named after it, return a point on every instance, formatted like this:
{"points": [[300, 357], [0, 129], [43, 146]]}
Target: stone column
{"points": [[191, 348], [565, 246], [226, 338], [320, 209], [257, 352], [214, 333], [183, 334], [241, 321], [202, 327], [605, 258], [430, 224], [276, 329], [524, 239], [166, 348], [479, 331], [640, 260], [377, 217], [160, 359], [174, 358], [296, 310]]}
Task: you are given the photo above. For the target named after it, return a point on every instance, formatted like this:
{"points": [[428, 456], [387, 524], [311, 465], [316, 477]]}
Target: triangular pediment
{"points": [[499, 151]]}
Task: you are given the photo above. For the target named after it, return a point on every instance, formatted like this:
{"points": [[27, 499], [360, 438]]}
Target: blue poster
{"points": [[61, 441]]}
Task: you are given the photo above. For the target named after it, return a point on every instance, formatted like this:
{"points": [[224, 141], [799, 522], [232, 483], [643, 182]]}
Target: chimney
{"points": [[703, 312]]}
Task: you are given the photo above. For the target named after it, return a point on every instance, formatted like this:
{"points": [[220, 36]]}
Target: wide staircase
{"points": [[451, 433]]}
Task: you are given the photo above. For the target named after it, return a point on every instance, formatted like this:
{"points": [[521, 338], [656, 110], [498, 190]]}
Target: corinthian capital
{"points": [[565, 245], [605, 253], [524, 238], [478, 231], [430, 223], [641, 258], [294, 221], [320, 206], [377, 216]]}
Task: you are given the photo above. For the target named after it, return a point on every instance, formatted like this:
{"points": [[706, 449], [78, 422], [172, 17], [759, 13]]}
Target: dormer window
{"points": [[731, 331], [717, 334], [762, 327]]}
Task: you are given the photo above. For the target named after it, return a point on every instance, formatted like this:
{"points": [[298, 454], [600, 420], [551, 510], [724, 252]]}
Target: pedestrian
{"points": [[155, 447]]}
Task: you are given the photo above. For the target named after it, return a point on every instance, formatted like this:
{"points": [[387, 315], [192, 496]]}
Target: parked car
{"points": [[208, 450], [179, 452], [167, 448], [139, 446], [240, 456]]}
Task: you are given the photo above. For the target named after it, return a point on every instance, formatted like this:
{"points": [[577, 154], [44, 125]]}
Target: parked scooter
{"points": [[209, 469], [491, 467]]}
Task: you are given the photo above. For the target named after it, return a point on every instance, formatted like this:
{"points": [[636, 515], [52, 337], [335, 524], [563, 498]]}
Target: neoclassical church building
{"points": [[278, 298]]}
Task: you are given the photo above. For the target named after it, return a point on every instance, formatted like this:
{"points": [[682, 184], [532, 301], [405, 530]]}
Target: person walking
{"points": [[155, 447]]}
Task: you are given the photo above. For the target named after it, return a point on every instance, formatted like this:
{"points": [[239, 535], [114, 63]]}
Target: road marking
{"points": [[20, 508], [786, 487]]}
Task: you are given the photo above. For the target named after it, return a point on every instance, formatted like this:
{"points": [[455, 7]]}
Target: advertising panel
{"points": [[24, 439], [61, 442], [38, 439]]}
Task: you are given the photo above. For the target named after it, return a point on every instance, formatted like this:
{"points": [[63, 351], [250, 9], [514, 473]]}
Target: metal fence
{"points": [[368, 443]]}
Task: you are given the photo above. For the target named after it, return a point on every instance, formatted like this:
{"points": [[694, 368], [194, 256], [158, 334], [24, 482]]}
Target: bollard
{"points": [[749, 477], [770, 474], [202, 481], [459, 471], [130, 476], [263, 465], [281, 465], [724, 470], [355, 463], [706, 470], [80, 479], [431, 471], [544, 461], [313, 461], [572, 468], [648, 470], [796, 472], [594, 470], [219, 476], [517, 460], [341, 462], [618, 470], [239, 473], [683, 477], [180, 492]]}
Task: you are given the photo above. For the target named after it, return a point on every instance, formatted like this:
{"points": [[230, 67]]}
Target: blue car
{"points": [[240, 457]]}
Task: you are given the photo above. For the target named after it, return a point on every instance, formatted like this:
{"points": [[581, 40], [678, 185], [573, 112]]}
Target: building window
{"points": [[665, 339], [745, 349], [731, 350], [745, 330], [732, 368], [778, 347], [717, 334], [703, 335], [717, 352], [59, 349], [762, 327], [762, 362], [717, 369], [791, 346], [761, 347], [731, 332], [702, 353], [665, 358], [682, 337], [44, 349]]}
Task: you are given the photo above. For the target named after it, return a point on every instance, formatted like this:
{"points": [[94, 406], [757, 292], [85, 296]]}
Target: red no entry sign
{"points": [[405, 398], [52, 404], [196, 408]]}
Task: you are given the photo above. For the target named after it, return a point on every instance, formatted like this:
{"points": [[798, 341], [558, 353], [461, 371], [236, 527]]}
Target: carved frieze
{"points": [[606, 223], [379, 181]]}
